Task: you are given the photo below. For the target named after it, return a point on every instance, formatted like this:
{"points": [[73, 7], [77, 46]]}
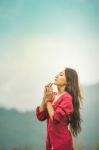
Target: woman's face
{"points": [[60, 79]]}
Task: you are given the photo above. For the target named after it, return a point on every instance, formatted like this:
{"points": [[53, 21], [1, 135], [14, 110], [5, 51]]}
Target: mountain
{"points": [[90, 126], [20, 129], [23, 129]]}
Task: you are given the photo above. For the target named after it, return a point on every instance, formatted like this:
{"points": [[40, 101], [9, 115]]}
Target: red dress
{"points": [[58, 135]]}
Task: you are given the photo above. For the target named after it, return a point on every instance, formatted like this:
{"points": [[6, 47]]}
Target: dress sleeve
{"points": [[64, 109], [41, 115], [44, 114]]}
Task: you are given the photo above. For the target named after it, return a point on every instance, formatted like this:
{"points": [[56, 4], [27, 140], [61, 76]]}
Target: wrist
{"points": [[48, 100], [47, 103]]}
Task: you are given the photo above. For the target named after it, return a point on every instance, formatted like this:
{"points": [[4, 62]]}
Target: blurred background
{"points": [[38, 39]]}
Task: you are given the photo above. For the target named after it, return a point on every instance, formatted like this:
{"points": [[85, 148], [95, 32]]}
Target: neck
{"points": [[61, 89]]}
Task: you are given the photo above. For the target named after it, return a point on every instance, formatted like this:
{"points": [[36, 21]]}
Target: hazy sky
{"points": [[39, 38]]}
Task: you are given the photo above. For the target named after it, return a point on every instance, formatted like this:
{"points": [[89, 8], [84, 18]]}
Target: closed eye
{"points": [[61, 73]]}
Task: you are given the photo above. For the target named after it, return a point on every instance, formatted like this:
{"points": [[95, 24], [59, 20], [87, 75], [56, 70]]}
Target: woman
{"points": [[62, 111]]}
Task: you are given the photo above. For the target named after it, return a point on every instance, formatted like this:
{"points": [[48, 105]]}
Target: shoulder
{"points": [[66, 101], [67, 96]]}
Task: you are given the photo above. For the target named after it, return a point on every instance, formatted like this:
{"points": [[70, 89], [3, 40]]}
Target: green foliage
{"points": [[79, 147], [96, 146]]}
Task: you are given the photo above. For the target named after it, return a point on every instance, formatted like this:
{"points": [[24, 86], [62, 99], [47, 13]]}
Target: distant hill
{"points": [[20, 129], [90, 113], [23, 129]]}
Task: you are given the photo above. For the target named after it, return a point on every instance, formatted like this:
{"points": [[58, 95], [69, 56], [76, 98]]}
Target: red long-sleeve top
{"points": [[58, 135]]}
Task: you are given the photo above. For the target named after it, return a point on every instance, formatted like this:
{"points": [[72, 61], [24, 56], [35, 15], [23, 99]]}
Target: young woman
{"points": [[62, 111]]}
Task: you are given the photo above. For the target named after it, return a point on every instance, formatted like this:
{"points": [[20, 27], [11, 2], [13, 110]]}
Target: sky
{"points": [[38, 39]]}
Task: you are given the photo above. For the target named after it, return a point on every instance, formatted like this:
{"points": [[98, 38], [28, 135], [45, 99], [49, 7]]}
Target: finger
{"points": [[48, 87], [48, 84], [45, 89]]}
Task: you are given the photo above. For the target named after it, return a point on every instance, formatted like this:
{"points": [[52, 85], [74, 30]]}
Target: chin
{"points": [[55, 83]]}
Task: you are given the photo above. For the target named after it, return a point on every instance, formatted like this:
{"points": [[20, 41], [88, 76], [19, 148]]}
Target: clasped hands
{"points": [[48, 93]]}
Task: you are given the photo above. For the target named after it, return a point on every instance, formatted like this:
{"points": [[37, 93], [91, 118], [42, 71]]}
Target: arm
{"points": [[41, 111], [50, 109], [42, 106]]}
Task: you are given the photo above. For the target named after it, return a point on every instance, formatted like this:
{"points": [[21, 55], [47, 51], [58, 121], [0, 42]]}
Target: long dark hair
{"points": [[73, 88]]}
